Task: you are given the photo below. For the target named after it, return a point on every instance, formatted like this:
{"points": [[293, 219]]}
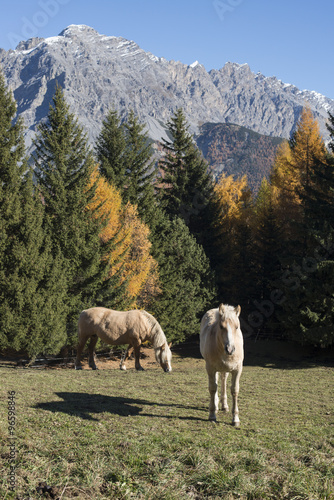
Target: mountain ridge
{"points": [[98, 72], [230, 94]]}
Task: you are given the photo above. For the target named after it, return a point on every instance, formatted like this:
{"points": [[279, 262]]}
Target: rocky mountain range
{"points": [[98, 72]]}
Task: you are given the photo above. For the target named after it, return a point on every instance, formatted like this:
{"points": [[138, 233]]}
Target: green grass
{"points": [[112, 434]]}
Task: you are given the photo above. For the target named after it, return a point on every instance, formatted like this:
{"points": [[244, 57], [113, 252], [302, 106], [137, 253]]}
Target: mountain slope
{"points": [[232, 149], [98, 72]]}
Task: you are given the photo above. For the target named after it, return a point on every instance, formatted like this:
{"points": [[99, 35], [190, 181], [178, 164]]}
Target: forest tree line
{"points": [[104, 226]]}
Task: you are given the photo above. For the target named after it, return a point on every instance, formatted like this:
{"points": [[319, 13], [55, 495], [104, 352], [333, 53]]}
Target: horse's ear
{"points": [[238, 311], [163, 347], [170, 344], [222, 309]]}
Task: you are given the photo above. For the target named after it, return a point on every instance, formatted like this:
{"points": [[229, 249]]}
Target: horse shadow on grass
{"points": [[85, 405]]}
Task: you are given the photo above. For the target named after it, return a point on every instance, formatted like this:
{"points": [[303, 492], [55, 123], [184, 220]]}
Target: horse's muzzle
{"points": [[229, 349]]}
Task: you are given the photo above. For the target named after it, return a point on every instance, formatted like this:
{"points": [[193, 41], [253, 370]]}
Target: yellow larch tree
{"points": [[139, 263], [293, 163], [233, 198], [131, 246]]}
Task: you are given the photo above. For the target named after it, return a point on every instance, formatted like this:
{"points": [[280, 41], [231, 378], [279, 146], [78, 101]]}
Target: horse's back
{"points": [[92, 316], [110, 325]]}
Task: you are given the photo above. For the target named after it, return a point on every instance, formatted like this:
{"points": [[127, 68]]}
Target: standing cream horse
{"points": [[122, 327], [221, 345]]}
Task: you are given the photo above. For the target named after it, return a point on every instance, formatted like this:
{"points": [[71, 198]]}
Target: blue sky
{"points": [[289, 39]]}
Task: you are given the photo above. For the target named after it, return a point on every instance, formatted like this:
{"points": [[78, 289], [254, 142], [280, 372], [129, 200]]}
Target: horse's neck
{"points": [[157, 336]]}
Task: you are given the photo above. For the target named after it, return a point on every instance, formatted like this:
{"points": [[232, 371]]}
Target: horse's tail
{"points": [[79, 328], [80, 321]]}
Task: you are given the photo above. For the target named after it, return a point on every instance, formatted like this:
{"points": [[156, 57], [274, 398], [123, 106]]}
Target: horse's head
{"points": [[164, 356], [229, 325]]}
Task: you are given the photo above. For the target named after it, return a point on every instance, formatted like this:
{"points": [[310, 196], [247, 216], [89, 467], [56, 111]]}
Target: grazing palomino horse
{"points": [[221, 345], [122, 327]]}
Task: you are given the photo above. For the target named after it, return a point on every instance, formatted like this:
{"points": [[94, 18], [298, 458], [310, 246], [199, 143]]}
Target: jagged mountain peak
{"points": [[75, 29], [29, 44], [98, 72]]}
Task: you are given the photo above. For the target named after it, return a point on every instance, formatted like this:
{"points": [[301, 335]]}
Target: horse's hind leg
{"points": [[80, 348], [125, 356], [91, 347]]}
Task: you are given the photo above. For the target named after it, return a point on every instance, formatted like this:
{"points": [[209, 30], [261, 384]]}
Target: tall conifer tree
{"points": [[110, 150], [139, 169], [308, 311], [186, 279], [291, 175], [125, 157], [32, 288], [186, 187], [268, 248], [63, 168]]}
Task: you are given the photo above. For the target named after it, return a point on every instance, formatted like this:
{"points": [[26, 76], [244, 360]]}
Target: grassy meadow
{"points": [[146, 435]]}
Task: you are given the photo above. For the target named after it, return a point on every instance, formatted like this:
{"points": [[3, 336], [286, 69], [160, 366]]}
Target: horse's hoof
{"points": [[78, 367], [123, 368], [236, 424], [140, 369], [213, 420], [94, 367]]}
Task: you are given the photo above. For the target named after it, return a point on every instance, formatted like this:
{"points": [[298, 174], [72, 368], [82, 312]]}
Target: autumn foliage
{"points": [[292, 166], [233, 197], [131, 246]]}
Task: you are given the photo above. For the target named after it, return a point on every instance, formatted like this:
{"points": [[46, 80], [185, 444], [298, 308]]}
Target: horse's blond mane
{"points": [[157, 335]]}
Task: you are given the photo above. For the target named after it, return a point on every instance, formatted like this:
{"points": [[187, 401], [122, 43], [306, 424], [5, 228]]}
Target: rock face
{"points": [[98, 72]]}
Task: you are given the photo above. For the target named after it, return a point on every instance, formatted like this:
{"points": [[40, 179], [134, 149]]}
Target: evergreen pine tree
{"points": [[125, 156], [186, 280], [110, 150], [186, 188], [232, 245], [140, 169], [243, 282], [268, 242], [308, 311], [32, 288], [63, 168]]}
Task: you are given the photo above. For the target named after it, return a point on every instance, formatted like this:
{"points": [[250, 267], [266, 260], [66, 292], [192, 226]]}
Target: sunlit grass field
{"points": [[112, 434]]}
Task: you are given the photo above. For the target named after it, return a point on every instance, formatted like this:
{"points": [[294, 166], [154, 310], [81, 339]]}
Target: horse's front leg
{"points": [[235, 391], [213, 389], [225, 407], [137, 357], [126, 356]]}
